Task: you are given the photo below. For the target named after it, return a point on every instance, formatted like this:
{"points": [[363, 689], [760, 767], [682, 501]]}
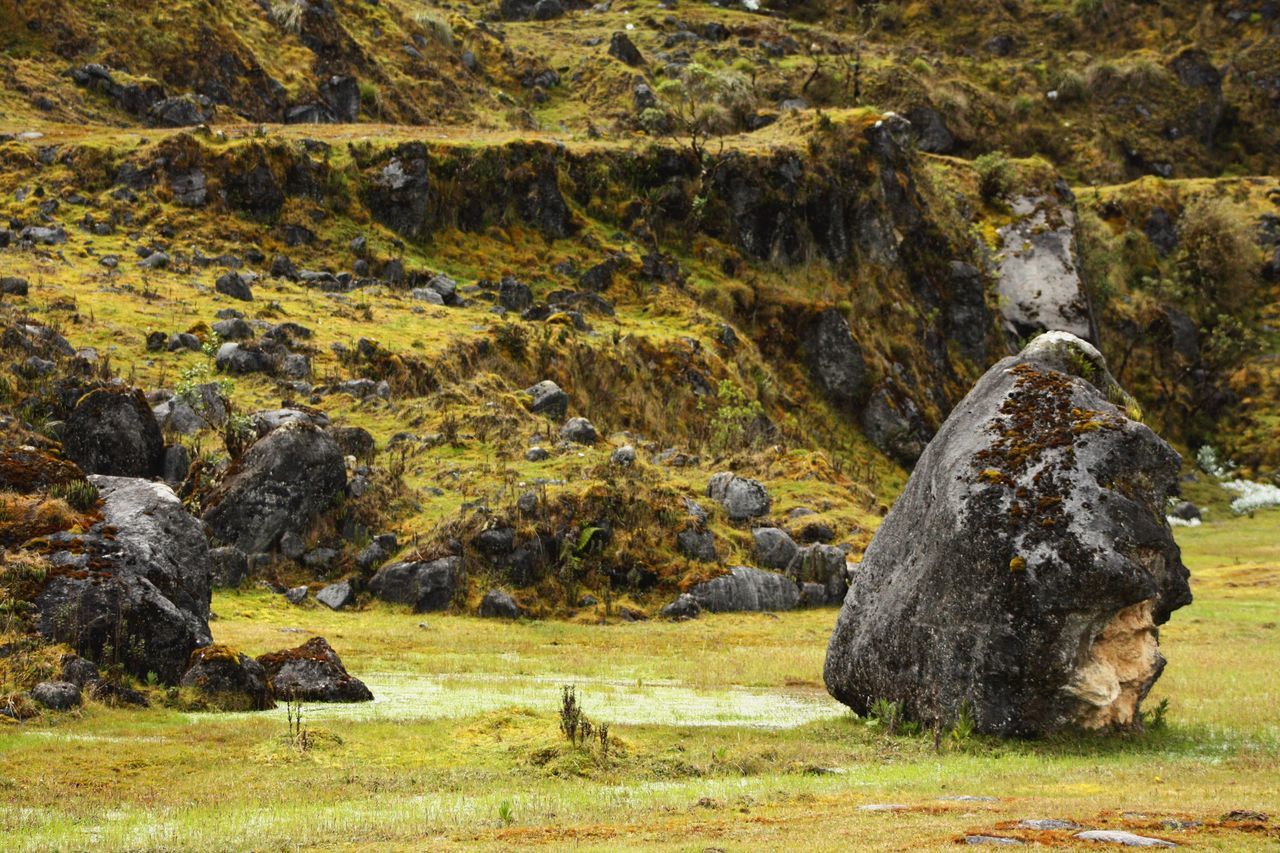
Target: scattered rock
{"points": [[774, 548], [1126, 839], [548, 399], [1186, 510], [313, 672], [1033, 533], [337, 596], [746, 589], [834, 357], [422, 586], [623, 457], [56, 695], [697, 543], [499, 604], [228, 567], [280, 484], [742, 498], [296, 595], [684, 607], [229, 680], [579, 431], [113, 431], [624, 50]]}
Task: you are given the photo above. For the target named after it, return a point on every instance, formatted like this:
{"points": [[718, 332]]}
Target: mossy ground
{"points": [[505, 777]]}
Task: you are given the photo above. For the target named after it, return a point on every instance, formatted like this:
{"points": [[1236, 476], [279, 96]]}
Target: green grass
{"points": [[402, 775]]}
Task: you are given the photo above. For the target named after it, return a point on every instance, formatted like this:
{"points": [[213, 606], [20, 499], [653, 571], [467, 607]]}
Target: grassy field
{"points": [[721, 737]]}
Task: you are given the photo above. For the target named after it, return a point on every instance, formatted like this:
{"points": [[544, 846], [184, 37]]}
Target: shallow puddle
{"points": [[402, 696]]}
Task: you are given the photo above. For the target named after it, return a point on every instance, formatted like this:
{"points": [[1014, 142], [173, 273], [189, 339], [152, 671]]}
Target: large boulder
{"points": [[280, 485], [741, 497], [113, 431], [313, 672], [133, 589], [1022, 573], [834, 357], [229, 680], [774, 548], [158, 539], [746, 589], [422, 586]]}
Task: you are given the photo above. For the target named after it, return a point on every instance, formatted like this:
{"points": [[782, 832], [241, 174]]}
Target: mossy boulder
{"points": [[113, 431], [1023, 572], [313, 672], [229, 680]]}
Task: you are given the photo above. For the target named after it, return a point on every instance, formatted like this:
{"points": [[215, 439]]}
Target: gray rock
{"points": [[514, 295], [697, 543], [1186, 510], [931, 131], [282, 483], [13, 286], [684, 607], [56, 695], [78, 671], [824, 565], [113, 431], [1125, 839], [548, 399], [741, 497], [235, 329], [154, 261], [158, 539], [624, 50], [337, 596], [426, 294], [536, 454], [313, 672], [1047, 824], [228, 567], [996, 840], [834, 357], [177, 461], [422, 586], [579, 431], [499, 604], [747, 589], [236, 358], [1025, 568], [320, 560], [235, 285], [1039, 285], [296, 595], [774, 548], [894, 425], [623, 457], [292, 545]]}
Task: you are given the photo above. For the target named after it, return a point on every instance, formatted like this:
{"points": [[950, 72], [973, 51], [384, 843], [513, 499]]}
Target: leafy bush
{"points": [[995, 175], [1217, 256]]}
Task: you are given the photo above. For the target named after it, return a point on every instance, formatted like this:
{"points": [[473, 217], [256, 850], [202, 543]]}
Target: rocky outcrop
{"points": [[834, 357], [746, 589], [424, 586], [1039, 284], [1022, 573], [313, 672], [281, 485]]}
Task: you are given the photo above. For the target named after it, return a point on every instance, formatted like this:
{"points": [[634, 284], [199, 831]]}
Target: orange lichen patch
{"points": [[216, 652], [25, 469], [24, 518]]}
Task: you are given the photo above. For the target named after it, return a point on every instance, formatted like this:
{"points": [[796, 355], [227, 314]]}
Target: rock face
{"points": [[422, 586], [313, 672], [56, 695], [1039, 284], [834, 357], [279, 486], [1025, 568], [113, 431], [230, 680], [746, 589], [500, 605]]}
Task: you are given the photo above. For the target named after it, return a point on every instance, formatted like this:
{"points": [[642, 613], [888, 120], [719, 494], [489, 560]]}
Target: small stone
{"points": [[536, 454], [992, 839], [296, 595], [336, 596], [579, 431], [1047, 824], [499, 604], [623, 457], [684, 607]]}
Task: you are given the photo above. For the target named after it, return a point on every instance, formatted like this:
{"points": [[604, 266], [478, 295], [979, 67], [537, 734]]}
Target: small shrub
{"points": [[505, 814], [1071, 87], [287, 15], [995, 175], [440, 30], [570, 712]]}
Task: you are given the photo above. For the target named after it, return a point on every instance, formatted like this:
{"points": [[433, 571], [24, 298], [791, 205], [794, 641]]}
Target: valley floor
{"points": [[721, 737]]}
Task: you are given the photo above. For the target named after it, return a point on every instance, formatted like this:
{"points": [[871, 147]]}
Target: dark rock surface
{"points": [[499, 604], [742, 498], [422, 586], [280, 485], [835, 359], [229, 680], [313, 672], [56, 695], [113, 431], [746, 589], [1027, 564], [337, 596]]}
